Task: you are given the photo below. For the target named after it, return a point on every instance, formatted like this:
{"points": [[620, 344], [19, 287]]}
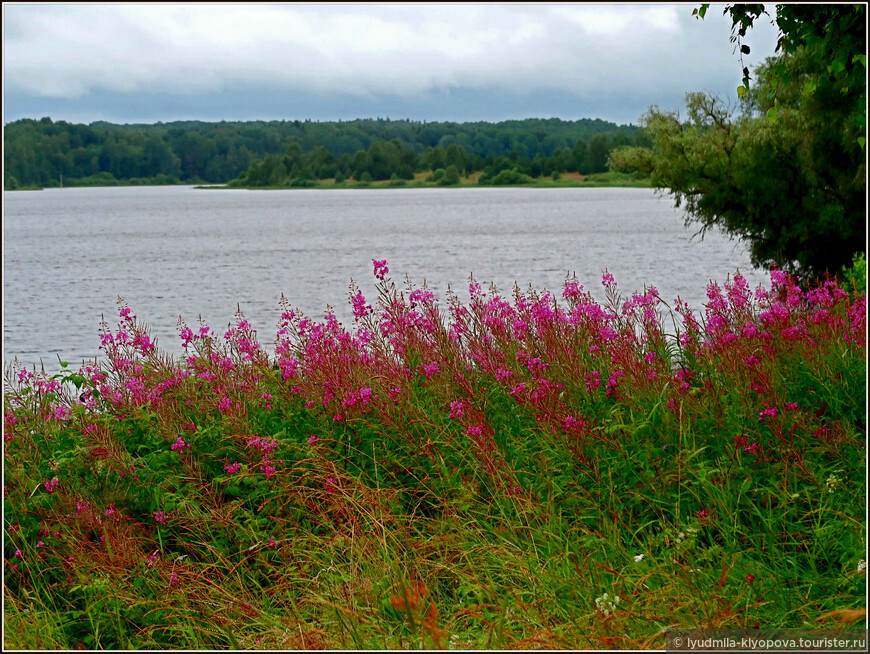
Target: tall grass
{"points": [[506, 472]]}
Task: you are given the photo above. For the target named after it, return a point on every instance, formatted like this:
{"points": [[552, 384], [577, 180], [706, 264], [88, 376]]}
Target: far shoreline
{"points": [[568, 180]]}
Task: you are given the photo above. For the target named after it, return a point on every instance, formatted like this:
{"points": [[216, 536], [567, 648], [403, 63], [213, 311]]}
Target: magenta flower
{"points": [[232, 468], [313, 440], [179, 445], [268, 469], [457, 408], [572, 424], [380, 268], [360, 308], [50, 486]]}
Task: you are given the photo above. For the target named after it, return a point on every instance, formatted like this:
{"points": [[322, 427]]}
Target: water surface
{"points": [[170, 251]]}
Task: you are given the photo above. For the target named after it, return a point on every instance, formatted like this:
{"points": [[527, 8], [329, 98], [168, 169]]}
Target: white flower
{"points": [[638, 558], [862, 565], [605, 604], [832, 483]]}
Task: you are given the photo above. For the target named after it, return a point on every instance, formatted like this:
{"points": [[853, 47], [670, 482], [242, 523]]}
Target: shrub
{"points": [[450, 176], [855, 277], [510, 176]]}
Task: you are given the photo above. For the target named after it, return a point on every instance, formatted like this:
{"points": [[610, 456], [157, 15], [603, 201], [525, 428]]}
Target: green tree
{"points": [[788, 174], [451, 176], [599, 148]]}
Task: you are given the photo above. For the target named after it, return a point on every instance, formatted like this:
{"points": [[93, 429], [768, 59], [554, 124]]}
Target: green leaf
{"points": [[862, 141], [860, 59], [741, 91]]}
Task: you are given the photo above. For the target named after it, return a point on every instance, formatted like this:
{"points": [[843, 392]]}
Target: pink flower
{"points": [[429, 369], [232, 468], [330, 486], [772, 412], [313, 440], [50, 486], [457, 408], [360, 308], [179, 445], [160, 517], [420, 295], [268, 469], [380, 268], [570, 423]]}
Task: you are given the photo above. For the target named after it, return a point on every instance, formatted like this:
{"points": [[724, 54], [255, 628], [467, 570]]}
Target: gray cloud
{"points": [[68, 52]]}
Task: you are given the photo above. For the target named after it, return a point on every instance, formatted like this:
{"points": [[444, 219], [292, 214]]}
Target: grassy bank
{"points": [[505, 472], [567, 180]]}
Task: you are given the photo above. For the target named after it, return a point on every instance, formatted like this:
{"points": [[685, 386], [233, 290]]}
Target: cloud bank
{"points": [[70, 52]]}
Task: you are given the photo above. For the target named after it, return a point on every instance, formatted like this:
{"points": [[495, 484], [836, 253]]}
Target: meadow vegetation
{"points": [[520, 471]]}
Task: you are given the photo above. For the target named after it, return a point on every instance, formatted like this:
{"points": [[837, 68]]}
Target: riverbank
{"points": [[567, 180], [532, 472], [421, 180]]}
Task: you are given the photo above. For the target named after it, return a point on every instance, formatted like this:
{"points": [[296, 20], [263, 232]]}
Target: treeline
{"points": [[38, 153], [397, 161]]}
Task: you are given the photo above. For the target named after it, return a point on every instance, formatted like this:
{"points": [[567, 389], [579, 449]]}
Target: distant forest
{"points": [[37, 153]]}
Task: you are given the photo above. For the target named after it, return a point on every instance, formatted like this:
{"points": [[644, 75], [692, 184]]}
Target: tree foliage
{"points": [[38, 152], [787, 174]]}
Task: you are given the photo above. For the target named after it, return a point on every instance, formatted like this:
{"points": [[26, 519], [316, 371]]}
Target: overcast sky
{"points": [[131, 63]]}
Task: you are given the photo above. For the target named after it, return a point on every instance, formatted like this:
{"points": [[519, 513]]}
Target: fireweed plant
{"points": [[525, 471]]}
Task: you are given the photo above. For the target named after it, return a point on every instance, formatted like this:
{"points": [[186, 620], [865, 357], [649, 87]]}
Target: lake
{"points": [[170, 251]]}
